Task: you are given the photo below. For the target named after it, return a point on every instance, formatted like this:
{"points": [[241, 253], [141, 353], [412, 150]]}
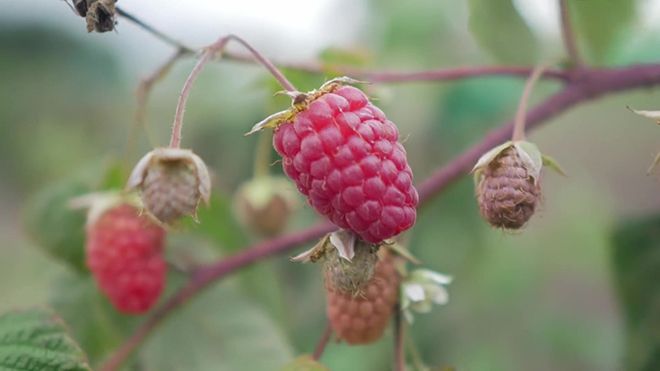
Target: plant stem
{"points": [[399, 349], [592, 84], [323, 342], [161, 35], [519, 123], [567, 34], [210, 51]]}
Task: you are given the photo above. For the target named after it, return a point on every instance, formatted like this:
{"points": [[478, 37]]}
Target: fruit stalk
{"points": [[209, 52]]}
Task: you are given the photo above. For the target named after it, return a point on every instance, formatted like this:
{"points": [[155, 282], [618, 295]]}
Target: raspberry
{"points": [[507, 192], [124, 253], [344, 155], [361, 317], [172, 181]]}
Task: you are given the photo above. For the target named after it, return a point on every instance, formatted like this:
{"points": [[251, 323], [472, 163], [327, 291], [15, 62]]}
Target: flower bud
{"points": [[171, 182], [264, 205]]}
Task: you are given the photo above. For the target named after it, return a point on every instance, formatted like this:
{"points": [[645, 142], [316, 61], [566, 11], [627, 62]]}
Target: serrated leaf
{"points": [[219, 330], [531, 156], [553, 164], [500, 30], [489, 156], [653, 115], [37, 340], [636, 261], [54, 226], [304, 363], [601, 25]]}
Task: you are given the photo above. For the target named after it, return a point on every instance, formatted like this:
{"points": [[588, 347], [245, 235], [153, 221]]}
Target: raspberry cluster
{"points": [[506, 192], [344, 155], [360, 317], [124, 253]]}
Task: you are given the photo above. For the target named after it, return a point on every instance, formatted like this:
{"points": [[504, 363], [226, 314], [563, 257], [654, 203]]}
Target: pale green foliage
{"points": [[36, 340], [500, 30], [601, 25]]}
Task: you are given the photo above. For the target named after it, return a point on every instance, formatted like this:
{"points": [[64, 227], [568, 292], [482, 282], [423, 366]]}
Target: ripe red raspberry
{"points": [[344, 155], [361, 317], [124, 253]]}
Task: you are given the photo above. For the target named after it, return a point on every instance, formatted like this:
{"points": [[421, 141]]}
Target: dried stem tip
{"points": [[172, 181], [508, 188]]}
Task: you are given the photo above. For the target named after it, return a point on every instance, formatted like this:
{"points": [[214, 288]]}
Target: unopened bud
{"points": [[171, 181]]}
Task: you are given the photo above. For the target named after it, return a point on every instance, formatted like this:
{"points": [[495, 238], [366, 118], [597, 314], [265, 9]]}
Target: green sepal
{"points": [[531, 156], [271, 121], [553, 164], [489, 156]]}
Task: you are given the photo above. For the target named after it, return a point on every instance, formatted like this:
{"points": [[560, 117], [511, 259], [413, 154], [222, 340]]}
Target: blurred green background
{"points": [[578, 289]]}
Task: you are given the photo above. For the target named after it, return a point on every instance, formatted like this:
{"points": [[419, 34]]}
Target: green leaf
{"points": [[37, 340], [55, 227], [601, 25], [499, 29], [220, 330], [217, 222], [636, 259], [304, 363], [91, 317]]}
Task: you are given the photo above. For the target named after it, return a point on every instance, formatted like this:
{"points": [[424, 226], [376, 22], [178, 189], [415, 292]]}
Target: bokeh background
{"points": [[576, 290]]}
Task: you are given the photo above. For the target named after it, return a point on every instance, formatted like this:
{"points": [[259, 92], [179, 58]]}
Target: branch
{"points": [[323, 342], [567, 34], [399, 350], [591, 84], [383, 76]]}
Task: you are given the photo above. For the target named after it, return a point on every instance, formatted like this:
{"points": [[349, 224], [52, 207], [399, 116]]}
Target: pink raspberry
{"points": [[124, 253], [344, 155]]}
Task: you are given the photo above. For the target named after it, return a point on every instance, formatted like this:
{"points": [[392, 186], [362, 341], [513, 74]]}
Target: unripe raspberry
{"points": [[171, 181], [508, 189], [350, 275], [124, 252], [264, 204], [344, 155], [361, 318]]}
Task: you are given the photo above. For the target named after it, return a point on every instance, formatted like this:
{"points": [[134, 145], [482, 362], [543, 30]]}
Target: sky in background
{"points": [[284, 29]]}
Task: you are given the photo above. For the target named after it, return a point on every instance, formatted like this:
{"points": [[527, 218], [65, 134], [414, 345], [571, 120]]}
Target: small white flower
{"points": [[421, 289]]}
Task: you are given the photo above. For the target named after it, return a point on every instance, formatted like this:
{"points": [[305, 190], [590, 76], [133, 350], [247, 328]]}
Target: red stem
{"points": [[211, 50], [567, 34], [399, 350], [590, 84], [323, 342]]}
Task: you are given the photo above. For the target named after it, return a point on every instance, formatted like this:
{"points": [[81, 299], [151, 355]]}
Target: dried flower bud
{"points": [[508, 188], [264, 204], [171, 181], [100, 15]]}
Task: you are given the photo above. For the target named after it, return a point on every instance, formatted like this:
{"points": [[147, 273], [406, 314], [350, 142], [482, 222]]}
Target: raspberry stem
{"points": [[519, 121], [209, 52], [323, 342]]}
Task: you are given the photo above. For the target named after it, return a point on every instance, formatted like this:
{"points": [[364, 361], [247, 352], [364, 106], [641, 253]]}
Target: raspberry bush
{"points": [[132, 296]]}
